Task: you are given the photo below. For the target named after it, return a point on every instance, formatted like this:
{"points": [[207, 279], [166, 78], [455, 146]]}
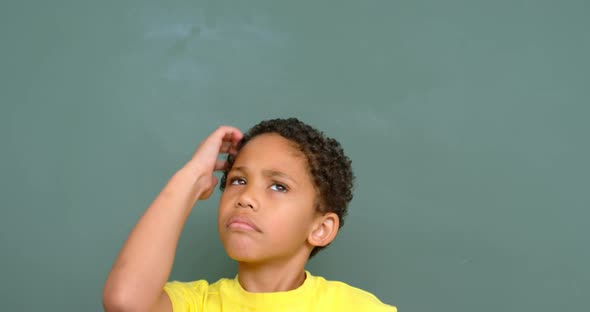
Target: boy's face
{"points": [[268, 207]]}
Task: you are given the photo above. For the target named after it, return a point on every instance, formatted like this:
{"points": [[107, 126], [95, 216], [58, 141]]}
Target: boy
{"points": [[285, 188]]}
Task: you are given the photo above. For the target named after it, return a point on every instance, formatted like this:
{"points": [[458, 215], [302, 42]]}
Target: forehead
{"points": [[271, 151]]}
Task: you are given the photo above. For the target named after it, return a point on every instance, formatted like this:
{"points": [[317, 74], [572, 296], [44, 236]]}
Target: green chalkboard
{"points": [[467, 123]]}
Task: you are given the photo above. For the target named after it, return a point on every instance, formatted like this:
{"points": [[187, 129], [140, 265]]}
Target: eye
{"points": [[237, 181], [278, 187]]}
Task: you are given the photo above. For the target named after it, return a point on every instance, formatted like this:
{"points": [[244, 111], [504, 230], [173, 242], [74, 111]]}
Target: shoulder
{"points": [[190, 295], [351, 298], [185, 294]]}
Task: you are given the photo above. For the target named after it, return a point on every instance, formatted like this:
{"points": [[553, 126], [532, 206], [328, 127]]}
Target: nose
{"points": [[245, 204], [247, 199]]}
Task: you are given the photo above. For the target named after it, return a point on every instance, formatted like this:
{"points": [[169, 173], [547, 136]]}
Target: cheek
{"points": [[293, 219], [225, 204]]}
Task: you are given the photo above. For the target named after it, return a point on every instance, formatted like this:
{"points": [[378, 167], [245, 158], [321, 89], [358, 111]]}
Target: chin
{"points": [[243, 258], [241, 249], [241, 255]]}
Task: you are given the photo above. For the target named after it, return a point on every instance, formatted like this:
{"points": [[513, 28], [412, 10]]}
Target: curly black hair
{"points": [[329, 167]]}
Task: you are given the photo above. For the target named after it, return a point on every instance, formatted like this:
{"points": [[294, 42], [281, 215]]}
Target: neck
{"points": [[273, 277]]}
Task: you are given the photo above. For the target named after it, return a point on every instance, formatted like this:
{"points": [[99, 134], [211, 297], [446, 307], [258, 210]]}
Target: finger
{"points": [[210, 190], [225, 147], [223, 133], [237, 137], [220, 164], [231, 134], [230, 140], [229, 145], [228, 148], [228, 136]]}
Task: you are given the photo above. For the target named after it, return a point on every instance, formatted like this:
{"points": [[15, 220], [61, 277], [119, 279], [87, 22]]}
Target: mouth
{"points": [[242, 223]]}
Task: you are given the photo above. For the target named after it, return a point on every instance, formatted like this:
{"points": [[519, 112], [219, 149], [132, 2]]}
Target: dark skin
{"points": [[270, 185], [144, 263]]}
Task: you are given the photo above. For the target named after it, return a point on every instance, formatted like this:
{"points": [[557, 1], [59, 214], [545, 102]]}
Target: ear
{"points": [[324, 230]]}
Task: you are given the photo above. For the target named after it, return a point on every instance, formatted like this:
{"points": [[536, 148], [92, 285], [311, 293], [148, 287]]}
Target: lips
{"points": [[242, 223]]}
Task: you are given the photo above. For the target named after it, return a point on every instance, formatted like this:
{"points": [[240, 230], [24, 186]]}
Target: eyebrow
{"points": [[267, 172]]}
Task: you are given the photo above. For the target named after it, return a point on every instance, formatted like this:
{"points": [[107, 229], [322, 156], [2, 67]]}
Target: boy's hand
{"points": [[205, 159]]}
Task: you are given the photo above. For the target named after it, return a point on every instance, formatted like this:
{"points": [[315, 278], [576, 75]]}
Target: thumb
{"points": [[214, 181], [210, 188]]}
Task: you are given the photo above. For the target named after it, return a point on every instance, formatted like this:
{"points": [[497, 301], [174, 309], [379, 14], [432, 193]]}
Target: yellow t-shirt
{"points": [[315, 294]]}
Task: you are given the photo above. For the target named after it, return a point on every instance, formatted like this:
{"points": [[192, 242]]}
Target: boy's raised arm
{"points": [[143, 265]]}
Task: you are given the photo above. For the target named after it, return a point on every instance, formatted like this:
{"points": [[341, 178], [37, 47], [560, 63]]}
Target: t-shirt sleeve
{"points": [[389, 308], [378, 306], [375, 305], [356, 299], [187, 296]]}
